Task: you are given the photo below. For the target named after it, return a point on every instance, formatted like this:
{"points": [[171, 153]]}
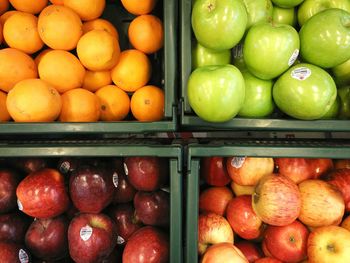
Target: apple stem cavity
{"points": [[211, 6], [331, 248]]}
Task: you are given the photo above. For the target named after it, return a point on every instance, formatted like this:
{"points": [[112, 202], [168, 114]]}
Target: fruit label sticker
{"points": [[126, 169], [85, 232], [115, 179], [293, 57], [64, 168], [237, 162], [20, 206], [23, 256], [301, 73], [120, 240]]}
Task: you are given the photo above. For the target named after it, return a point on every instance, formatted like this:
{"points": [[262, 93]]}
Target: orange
{"points": [[80, 105], [62, 70], [98, 50], [21, 32], [147, 103], [86, 9], [138, 7], [94, 80], [40, 55], [101, 24], [33, 100], [115, 103], [1, 37], [146, 33], [60, 27], [29, 6], [133, 70], [4, 6], [57, 2], [4, 114], [15, 66]]}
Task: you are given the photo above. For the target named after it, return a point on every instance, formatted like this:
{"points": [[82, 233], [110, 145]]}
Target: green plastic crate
{"points": [[245, 148], [190, 121], [115, 148], [164, 72]]}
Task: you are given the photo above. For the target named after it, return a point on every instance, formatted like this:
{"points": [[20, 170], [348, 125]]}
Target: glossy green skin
{"points": [[258, 97], [216, 93], [287, 3], [219, 24], [284, 16], [325, 38], [307, 99], [344, 95], [310, 8], [202, 56], [333, 111], [268, 48], [258, 11], [341, 73]]}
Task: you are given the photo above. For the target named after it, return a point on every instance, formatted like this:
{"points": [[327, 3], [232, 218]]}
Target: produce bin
{"points": [[264, 148], [190, 121], [14, 150], [164, 71]]}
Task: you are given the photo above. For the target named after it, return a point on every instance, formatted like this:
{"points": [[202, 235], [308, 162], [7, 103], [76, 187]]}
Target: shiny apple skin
{"points": [[13, 226], [214, 172], [215, 199], [9, 180]]}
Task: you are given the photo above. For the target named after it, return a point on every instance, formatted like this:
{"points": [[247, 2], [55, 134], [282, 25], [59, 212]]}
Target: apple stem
{"points": [[210, 7], [331, 248]]}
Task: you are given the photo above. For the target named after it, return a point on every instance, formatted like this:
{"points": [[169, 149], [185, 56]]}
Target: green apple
{"points": [[310, 8], [305, 92], [325, 38], [270, 49], [219, 24], [284, 16], [344, 95], [202, 56], [216, 93], [341, 73], [258, 11], [287, 3], [258, 97], [333, 111]]}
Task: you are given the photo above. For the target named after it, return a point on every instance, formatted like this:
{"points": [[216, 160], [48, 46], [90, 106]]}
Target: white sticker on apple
{"points": [[115, 179], [23, 256], [126, 169], [85, 232], [237, 162], [294, 57], [301, 73], [20, 206], [120, 240]]}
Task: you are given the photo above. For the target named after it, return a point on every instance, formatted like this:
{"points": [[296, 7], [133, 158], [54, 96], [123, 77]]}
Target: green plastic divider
{"points": [[304, 149], [190, 121], [116, 148]]}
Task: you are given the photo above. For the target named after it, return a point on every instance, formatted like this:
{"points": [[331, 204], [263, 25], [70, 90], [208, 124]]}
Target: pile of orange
{"points": [[61, 61]]}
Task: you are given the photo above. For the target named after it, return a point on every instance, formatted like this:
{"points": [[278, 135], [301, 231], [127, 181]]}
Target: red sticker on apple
{"points": [[293, 57], [23, 256], [301, 73], [115, 179], [126, 169], [85, 232], [20, 206], [237, 162]]}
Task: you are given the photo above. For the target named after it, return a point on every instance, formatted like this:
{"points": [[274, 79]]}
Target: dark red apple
{"points": [[341, 163], [215, 199], [250, 250], [43, 194], [9, 180], [297, 169], [13, 226], [287, 243], [91, 238], [147, 245], [146, 173], [153, 208], [47, 238], [126, 221], [91, 188], [214, 172], [13, 253], [320, 166], [29, 165], [124, 191]]}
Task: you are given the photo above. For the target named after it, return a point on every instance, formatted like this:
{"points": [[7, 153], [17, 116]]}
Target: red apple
{"points": [[153, 208], [297, 169], [268, 260], [341, 179], [126, 222], [250, 250], [223, 252], [329, 244], [47, 238], [213, 229], [91, 188], [146, 173], [91, 237], [242, 218], [346, 223], [214, 172], [147, 245], [320, 166], [215, 199], [264, 249], [13, 226], [242, 189], [124, 191], [287, 243], [13, 253], [276, 200], [29, 165], [9, 180], [249, 170], [321, 203], [341, 163], [43, 194]]}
